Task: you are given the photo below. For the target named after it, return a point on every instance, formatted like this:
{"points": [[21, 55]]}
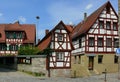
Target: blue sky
{"points": [[49, 11]]}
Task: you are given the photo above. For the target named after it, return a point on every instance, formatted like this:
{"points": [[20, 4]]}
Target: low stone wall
{"points": [[38, 65]]}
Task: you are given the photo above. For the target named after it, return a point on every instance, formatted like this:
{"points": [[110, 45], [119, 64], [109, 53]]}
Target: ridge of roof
{"points": [[85, 25], [47, 38]]}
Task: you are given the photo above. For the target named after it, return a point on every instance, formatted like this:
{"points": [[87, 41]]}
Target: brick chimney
{"points": [[46, 31]]}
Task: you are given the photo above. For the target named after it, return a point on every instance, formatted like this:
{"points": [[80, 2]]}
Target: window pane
{"points": [[114, 26], [60, 56], [91, 41], [108, 42], [100, 42], [116, 43], [60, 37], [101, 24], [108, 25]]}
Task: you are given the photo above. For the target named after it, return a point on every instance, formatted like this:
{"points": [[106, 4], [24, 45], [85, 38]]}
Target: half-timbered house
{"points": [[12, 36], [59, 40], [95, 40]]}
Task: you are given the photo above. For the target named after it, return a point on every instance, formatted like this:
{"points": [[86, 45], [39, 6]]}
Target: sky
{"points": [[51, 12]]}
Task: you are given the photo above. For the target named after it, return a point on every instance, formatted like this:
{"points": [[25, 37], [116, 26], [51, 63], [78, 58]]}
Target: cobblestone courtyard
{"points": [[16, 76]]}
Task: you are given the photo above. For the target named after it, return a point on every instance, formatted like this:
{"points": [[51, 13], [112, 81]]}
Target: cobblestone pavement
{"points": [[16, 76]]}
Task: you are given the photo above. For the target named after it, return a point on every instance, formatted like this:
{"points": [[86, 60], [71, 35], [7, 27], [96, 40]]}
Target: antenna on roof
{"points": [[37, 25]]}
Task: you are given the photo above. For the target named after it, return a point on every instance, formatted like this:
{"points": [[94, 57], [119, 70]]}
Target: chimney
{"points": [[46, 31], [85, 16]]}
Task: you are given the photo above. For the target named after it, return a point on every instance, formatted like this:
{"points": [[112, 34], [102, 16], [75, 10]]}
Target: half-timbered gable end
{"points": [[98, 33], [59, 40], [15, 35], [95, 40]]}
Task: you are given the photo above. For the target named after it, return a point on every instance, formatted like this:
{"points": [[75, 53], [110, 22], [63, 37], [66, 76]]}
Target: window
{"points": [[115, 26], [100, 42], [101, 24], [100, 58], [3, 47], [60, 56], [108, 25], [13, 47], [91, 41], [109, 42], [60, 37], [14, 35], [80, 43], [116, 43], [115, 59]]}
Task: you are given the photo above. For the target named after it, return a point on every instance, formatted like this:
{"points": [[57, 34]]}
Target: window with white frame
{"points": [[108, 42], [60, 37], [100, 42], [91, 41], [101, 24], [115, 26], [108, 25], [60, 56]]}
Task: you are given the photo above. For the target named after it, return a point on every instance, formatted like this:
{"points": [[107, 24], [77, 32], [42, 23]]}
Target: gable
{"points": [[84, 26]]}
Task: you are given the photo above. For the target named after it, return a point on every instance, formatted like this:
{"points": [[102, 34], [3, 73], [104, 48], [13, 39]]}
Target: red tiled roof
{"points": [[69, 27], [84, 26], [29, 29], [44, 43]]}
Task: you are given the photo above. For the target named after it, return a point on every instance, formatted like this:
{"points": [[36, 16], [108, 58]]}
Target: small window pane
{"points": [[100, 42], [101, 24], [60, 56], [108, 42], [91, 41], [114, 26], [60, 37], [108, 25]]}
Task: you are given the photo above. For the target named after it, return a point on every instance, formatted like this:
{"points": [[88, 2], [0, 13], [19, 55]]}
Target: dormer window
{"points": [[60, 37], [14, 35]]}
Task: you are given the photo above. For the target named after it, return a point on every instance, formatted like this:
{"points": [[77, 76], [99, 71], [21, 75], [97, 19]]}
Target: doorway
{"points": [[91, 63]]}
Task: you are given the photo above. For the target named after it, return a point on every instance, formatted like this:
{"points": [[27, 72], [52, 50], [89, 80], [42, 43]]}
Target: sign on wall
{"points": [[118, 52]]}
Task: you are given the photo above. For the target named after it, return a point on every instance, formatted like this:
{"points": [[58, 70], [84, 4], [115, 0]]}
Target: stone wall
{"points": [[37, 65], [60, 73], [81, 68]]}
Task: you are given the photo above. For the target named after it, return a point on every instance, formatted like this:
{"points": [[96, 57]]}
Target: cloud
{"points": [[88, 6], [1, 14], [22, 19]]}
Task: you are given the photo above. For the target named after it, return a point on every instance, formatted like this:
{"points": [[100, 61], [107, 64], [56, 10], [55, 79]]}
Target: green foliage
{"points": [[47, 51], [28, 50]]}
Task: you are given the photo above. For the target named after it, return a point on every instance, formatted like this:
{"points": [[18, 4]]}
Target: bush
{"points": [[28, 50]]}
